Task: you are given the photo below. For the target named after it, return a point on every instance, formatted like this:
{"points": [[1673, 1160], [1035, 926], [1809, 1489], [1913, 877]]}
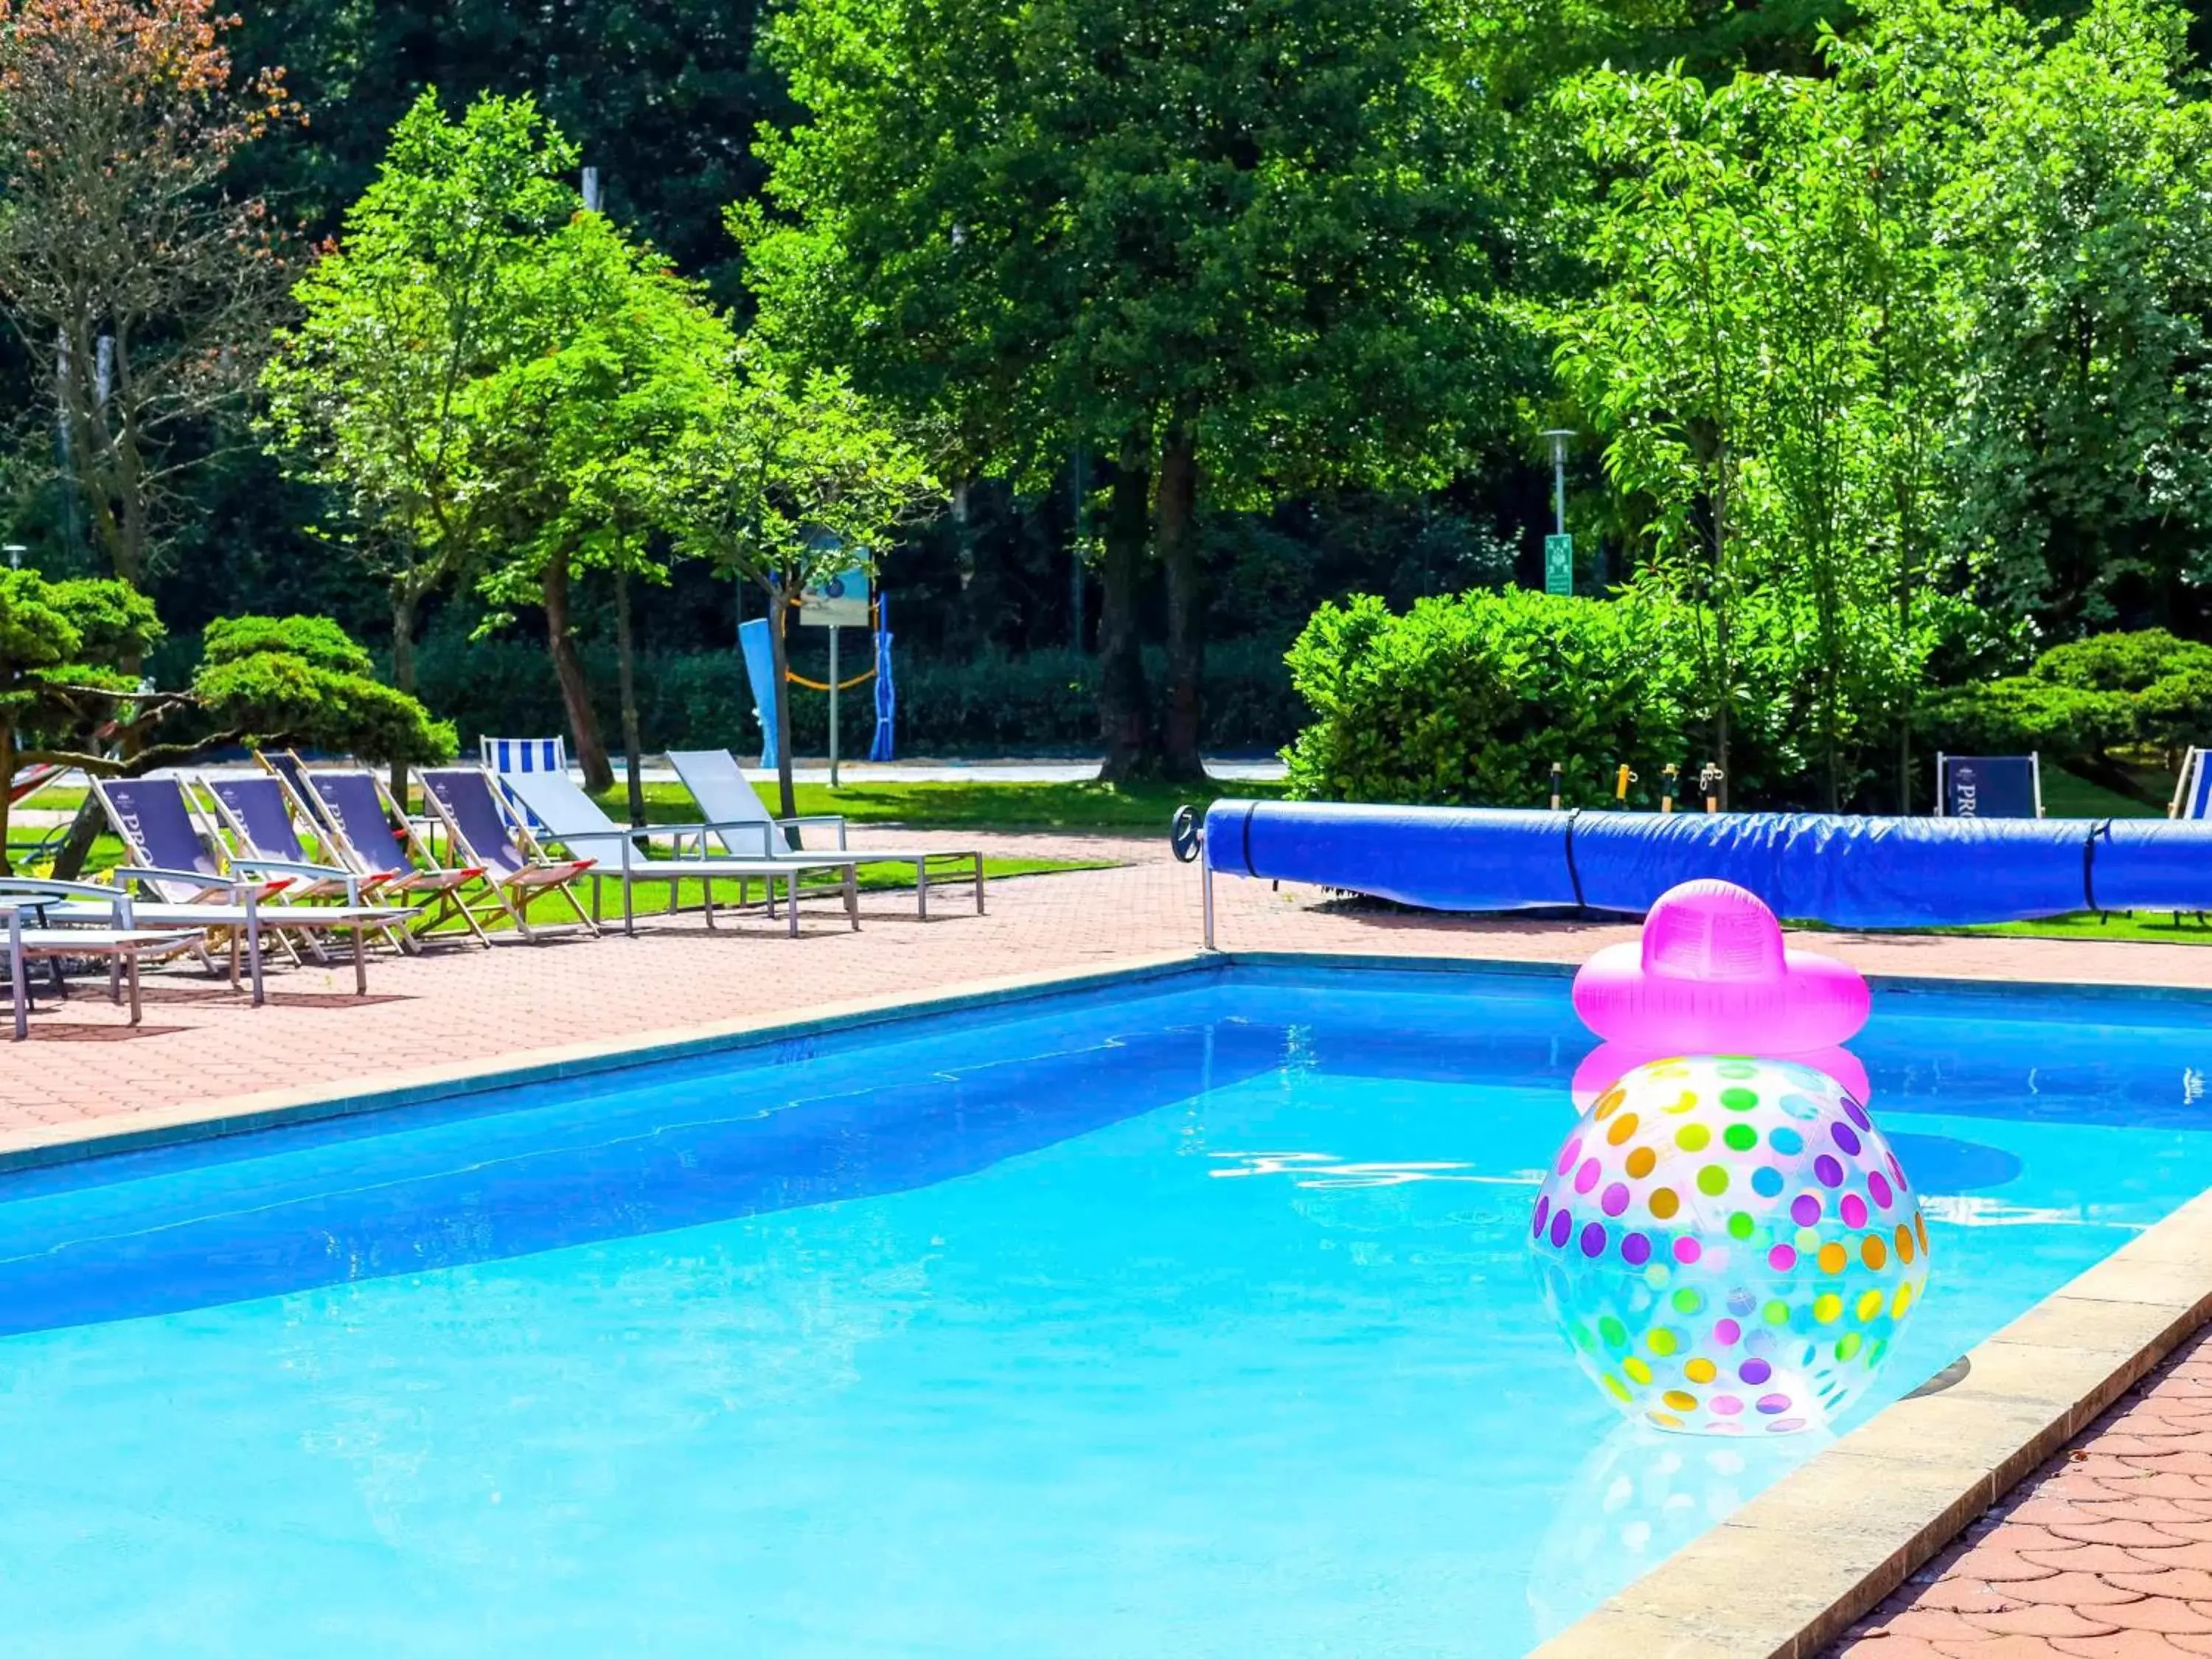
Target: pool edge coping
{"points": [[84, 1140], [1789, 1572], [203, 1120]]}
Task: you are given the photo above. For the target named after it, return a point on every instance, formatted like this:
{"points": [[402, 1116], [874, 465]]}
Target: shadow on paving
{"points": [[44, 1029]]}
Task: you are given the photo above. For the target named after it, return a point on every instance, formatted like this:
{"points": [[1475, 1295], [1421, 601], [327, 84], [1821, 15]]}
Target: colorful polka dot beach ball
{"points": [[1730, 1245]]}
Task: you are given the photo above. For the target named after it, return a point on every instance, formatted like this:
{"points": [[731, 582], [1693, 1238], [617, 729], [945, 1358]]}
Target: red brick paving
{"points": [[199, 1043], [2107, 1552]]}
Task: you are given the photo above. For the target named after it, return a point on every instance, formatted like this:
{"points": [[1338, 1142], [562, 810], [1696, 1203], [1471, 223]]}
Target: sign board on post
{"points": [[1559, 564], [839, 601]]}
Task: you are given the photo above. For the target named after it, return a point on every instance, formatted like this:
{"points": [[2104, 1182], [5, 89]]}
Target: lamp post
{"points": [[1559, 435], [15, 550], [1559, 546]]}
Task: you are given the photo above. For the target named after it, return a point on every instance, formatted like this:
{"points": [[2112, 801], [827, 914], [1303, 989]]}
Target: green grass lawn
{"points": [[2159, 928], [1131, 808], [2066, 796], [1136, 807], [1105, 807]]}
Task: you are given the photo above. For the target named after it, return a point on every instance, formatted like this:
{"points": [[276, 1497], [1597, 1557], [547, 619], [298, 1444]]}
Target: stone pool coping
{"points": [[1784, 1575], [1791, 1570]]}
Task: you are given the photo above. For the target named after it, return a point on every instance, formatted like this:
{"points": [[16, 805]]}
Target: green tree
{"points": [[785, 477], [1911, 87], [67, 688], [64, 650], [575, 433], [2083, 206], [1664, 354], [1771, 354], [140, 282], [1236, 249], [374, 393]]}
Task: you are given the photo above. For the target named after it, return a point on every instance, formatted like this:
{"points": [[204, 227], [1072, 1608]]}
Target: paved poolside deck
{"points": [[200, 1044], [2107, 1552]]}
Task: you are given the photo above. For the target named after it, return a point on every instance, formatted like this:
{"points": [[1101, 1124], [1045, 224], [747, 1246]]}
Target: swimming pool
{"points": [[1190, 1318]]}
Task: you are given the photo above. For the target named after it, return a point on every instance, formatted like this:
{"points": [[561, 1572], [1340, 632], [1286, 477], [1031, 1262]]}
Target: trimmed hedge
{"points": [[1468, 700], [1045, 703], [2079, 701]]}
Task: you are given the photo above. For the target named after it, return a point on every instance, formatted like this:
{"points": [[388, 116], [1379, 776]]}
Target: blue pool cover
{"points": [[1850, 871]]}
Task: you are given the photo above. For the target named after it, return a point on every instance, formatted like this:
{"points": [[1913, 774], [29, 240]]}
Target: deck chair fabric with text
{"points": [[368, 832], [487, 833]]}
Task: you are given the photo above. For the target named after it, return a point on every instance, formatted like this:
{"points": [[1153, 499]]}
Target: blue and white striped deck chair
{"points": [[523, 754], [2193, 791], [502, 755]]}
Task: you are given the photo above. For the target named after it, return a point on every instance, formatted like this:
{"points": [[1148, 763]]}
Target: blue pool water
{"points": [[1190, 1320]]}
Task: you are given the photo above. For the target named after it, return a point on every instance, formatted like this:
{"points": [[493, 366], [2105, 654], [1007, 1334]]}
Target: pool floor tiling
{"points": [[1193, 1317]]}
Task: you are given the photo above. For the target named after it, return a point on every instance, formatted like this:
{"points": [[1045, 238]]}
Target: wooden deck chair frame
{"points": [[242, 842], [515, 892], [445, 886], [406, 936], [2187, 786]]}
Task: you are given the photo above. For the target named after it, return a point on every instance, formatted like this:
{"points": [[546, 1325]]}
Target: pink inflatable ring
{"points": [[1711, 975]]}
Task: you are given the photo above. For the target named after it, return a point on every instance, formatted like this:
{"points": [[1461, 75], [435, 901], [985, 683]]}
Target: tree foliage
{"points": [[375, 393], [1469, 700], [1241, 249], [140, 288], [784, 477]]}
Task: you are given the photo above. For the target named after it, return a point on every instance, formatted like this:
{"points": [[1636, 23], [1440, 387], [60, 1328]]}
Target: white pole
{"points": [[833, 708]]}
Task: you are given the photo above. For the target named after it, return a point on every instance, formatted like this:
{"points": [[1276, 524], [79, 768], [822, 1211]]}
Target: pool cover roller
{"points": [[1849, 872]]}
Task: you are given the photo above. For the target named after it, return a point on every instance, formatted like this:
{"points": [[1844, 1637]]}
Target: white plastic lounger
{"points": [[573, 819], [718, 783]]}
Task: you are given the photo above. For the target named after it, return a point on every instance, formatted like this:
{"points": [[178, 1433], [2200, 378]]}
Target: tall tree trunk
{"points": [[1124, 706], [405, 603], [133, 551], [779, 618], [84, 829], [568, 669], [1724, 600], [626, 675], [1177, 531]]}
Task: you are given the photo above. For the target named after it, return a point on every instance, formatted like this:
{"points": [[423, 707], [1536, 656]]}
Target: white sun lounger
{"points": [[573, 818], [744, 826]]}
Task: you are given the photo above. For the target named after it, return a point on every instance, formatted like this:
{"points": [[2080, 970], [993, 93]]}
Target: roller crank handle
{"points": [[1187, 834]]}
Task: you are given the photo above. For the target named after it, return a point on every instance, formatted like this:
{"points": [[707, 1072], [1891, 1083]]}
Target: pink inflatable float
{"points": [[1711, 976], [1609, 1062]]}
